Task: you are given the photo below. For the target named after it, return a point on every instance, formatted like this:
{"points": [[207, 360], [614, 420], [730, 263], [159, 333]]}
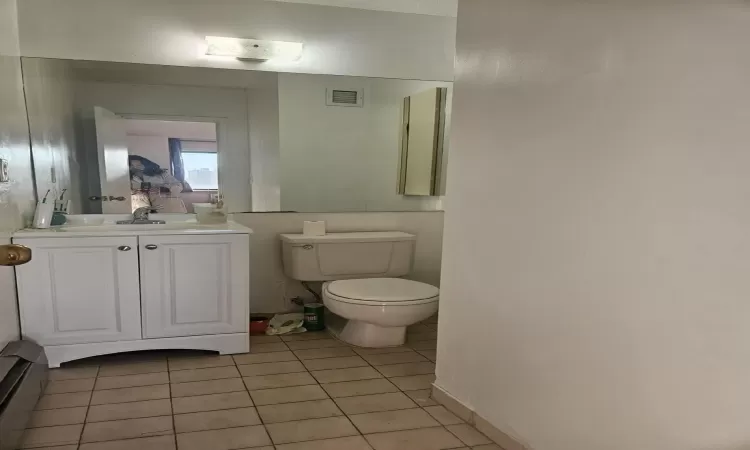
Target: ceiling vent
{"points": [[345, 97]]}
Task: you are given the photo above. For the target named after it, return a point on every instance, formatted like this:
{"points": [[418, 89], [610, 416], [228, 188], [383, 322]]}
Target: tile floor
{"points": [[305, 391]]}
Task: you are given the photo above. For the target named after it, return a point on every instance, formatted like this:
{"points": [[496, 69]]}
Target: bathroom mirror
{"points": [[112, 137]]}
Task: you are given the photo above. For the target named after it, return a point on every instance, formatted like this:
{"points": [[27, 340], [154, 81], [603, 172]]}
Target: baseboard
{"points": [[505, 441]]}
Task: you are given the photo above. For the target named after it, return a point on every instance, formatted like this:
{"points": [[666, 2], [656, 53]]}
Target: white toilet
{"points": [[359, 269]]}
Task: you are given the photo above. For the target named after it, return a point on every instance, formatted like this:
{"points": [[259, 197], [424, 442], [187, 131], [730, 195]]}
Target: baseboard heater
{"points": [[23, 376]]}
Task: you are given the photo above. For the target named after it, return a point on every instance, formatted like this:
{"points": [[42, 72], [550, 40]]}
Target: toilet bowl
{"points": [[376, 311]]}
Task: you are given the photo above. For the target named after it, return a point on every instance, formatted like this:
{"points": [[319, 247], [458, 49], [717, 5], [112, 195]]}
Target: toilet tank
{"points": [[338, 256]]}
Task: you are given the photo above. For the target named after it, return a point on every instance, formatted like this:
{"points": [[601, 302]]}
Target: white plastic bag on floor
{"points": [[286, 324]]}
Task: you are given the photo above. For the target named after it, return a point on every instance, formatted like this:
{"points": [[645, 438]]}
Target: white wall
{"points": [[341, 41], [595, 276], [228, 107], [16, 198], [51, 114], [337, 158], [9, 327], [446, 8], [271, 289]]}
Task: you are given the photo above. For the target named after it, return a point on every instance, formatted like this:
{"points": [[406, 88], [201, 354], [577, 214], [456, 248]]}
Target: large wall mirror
{"points": [[112, 137]]}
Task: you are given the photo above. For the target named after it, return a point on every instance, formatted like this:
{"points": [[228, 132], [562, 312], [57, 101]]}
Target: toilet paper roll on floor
{"points": [[310, 228]]}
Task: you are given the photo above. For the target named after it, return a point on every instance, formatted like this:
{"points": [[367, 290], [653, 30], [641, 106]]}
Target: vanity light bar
{"points": [[253, 49]]}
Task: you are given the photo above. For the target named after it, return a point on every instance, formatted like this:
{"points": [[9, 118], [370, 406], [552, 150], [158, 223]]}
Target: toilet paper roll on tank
{"points": [[314, 228]]}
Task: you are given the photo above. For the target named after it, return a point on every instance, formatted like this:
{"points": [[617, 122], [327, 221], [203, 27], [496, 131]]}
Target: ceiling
{"points": [[447, 8]]}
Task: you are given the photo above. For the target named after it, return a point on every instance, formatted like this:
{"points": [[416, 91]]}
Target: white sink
{"points": [[189, 226], [135, 227]]}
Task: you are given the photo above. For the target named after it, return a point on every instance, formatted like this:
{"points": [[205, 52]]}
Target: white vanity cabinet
{"points": [[80, 290], [193, 285], [84, 296]]}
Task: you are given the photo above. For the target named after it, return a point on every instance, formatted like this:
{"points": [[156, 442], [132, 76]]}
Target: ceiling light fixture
{"points": [[253, 49]]}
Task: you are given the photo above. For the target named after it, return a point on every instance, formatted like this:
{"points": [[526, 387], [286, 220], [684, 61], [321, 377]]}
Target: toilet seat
{"points": [[381, 292]]}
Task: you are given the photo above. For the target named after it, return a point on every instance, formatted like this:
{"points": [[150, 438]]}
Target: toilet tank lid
{"points": [[366, 236]]}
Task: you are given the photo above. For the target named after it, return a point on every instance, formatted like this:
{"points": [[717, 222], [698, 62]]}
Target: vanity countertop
{"points": [[112, 229]]}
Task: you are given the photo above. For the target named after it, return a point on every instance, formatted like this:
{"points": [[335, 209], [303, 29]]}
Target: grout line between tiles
{"points": [[317, 383], [171, 407]]}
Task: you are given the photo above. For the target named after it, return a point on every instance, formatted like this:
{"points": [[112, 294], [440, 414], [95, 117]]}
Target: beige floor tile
{"points": [[200, 362], [395, 358], [311, 429], [287, 412], [400, 370], [67, 386], [351, 374], [149, 443], [56, 417], [278, 380], [73, 373], [468, 435], [228, 439], [382, 351], [288, 395], [418, 328], [268, 348], [404, 419], [127, 429], [423, 397], [423, 345], [132, 394], [212, 402], [249, 370], [58, 447], [374, 403], [318, 343], [486, 447], [130, 410], [211, 373], [55, 401], [51, 436], [315, 353], [114, 370], [423, 335], [248, 358], [335, 363], [263, 339], [413, 382], [207, 387], [214, 420], [421, 439], [309, 336], [362, 387], [344, 443], [442, 415], [144, 379], [429, 354]]}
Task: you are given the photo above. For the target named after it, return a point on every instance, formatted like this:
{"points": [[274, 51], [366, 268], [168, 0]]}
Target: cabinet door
{"points": [[195, 284], [79, 290]]}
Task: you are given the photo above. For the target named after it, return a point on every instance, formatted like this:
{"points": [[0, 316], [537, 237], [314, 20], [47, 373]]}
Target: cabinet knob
{"points": [[151, 247], [124, 248]]}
